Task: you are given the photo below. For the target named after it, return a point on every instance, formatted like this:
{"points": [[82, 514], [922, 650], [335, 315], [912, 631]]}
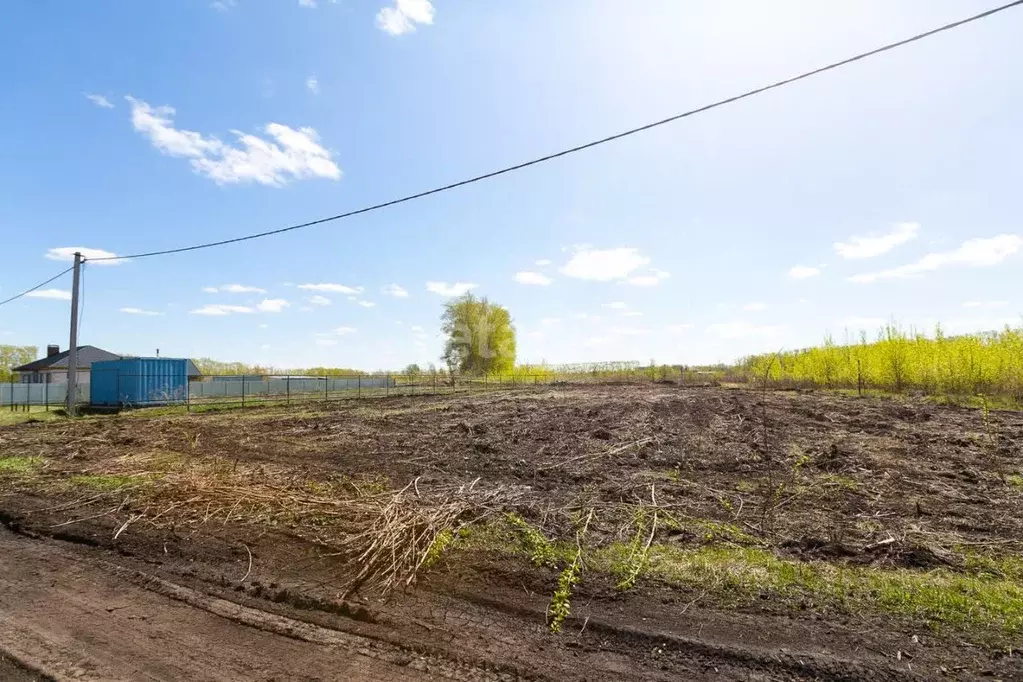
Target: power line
{"points": [[579, 148], [43, 284]]}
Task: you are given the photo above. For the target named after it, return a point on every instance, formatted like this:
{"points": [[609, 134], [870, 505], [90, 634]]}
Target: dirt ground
{"points": [[782, 535]]}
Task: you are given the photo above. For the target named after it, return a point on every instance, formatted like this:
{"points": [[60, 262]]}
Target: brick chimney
{"points": [[52, 350]]}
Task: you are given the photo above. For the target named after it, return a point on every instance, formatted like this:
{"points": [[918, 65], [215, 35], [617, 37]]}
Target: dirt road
{"points": [[69, 617]]}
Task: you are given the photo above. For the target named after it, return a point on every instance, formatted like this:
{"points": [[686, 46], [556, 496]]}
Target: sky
{"points": [[886, 190]]}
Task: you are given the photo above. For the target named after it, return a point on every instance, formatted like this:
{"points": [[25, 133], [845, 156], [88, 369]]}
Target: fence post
{"points": [[188, 394], [358, 396], [435, 383], [387, 389], [859, 378], [287, 384], [326, 388], [243, 390], [46, 393]]}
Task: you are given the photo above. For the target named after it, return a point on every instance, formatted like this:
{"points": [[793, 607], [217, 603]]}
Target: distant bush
{"points": [[989, 363]]}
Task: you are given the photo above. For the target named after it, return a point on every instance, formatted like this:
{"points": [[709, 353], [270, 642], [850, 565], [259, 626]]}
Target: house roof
{"points": [[86, 356]]}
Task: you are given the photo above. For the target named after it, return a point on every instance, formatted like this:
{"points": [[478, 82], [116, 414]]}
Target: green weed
{"points": [[561, 602], [108, 481], [937, 598], [631, 567], [19, 466], [541, 550], [437, 547]]}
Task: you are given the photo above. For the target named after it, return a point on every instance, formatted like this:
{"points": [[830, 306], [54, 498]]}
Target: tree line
{"points": [[15, 356]]}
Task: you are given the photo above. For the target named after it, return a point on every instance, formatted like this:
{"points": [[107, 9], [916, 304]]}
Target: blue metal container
{"points": [[139, 382]]}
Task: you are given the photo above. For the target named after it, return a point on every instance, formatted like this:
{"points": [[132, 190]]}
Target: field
{"points": [[570, 532]]}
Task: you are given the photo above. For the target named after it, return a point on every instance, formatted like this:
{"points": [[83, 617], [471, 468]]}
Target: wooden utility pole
{"points": [[72, 357]]}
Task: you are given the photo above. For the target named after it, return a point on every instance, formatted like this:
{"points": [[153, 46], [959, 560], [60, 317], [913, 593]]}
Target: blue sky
{"points": [[889, 188]]}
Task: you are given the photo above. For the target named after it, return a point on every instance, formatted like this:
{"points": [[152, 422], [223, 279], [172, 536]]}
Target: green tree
{"points": [[15, 356], [412, 370], [480, 336]]}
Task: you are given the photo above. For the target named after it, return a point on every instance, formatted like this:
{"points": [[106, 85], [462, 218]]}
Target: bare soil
{"points": [[811, 477]]}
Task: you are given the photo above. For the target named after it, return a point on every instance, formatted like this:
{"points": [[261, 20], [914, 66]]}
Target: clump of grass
{"points": [[107, 481], [437, 547], [633, 565], [744, 486], [841, 482], [936, 598], [541, 550], [19, 466], [1015, 480]]}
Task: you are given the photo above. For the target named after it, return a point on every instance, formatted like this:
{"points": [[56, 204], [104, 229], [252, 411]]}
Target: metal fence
{"points": [[248, 390], [130, 390], [49, 396]]}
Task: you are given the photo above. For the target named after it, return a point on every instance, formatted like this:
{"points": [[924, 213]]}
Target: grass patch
{"points": [[10, 417], [1015, 480], [984, 602], [107, 481], [19, 466]]}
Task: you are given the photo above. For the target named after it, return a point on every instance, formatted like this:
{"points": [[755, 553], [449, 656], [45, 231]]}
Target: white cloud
{"points": [[603, 265], [272, 305], [326, 342], [313, 85], [543, 262], [532, 278], [869, 323], [550, 321], [221, 309], [265, 346], [416, 328], [874, 245], [335, 288], [366, 304], [628, 331], [598, 341], [535, 335], [264, 326], [650, 280], [678, 328], [319, 300], [616, 305], [804, 272], [56, 294], [241, 289], [67, 253], [307, 3], [985, 304], [755, 307], [453, 289], [395, 290], [973, 253], [403, 17], [224, 5], [586, 316], [739, 329], [139, 311], [289, 155], [345, 331], [210, 290], [99, 100], [633, 313]]}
